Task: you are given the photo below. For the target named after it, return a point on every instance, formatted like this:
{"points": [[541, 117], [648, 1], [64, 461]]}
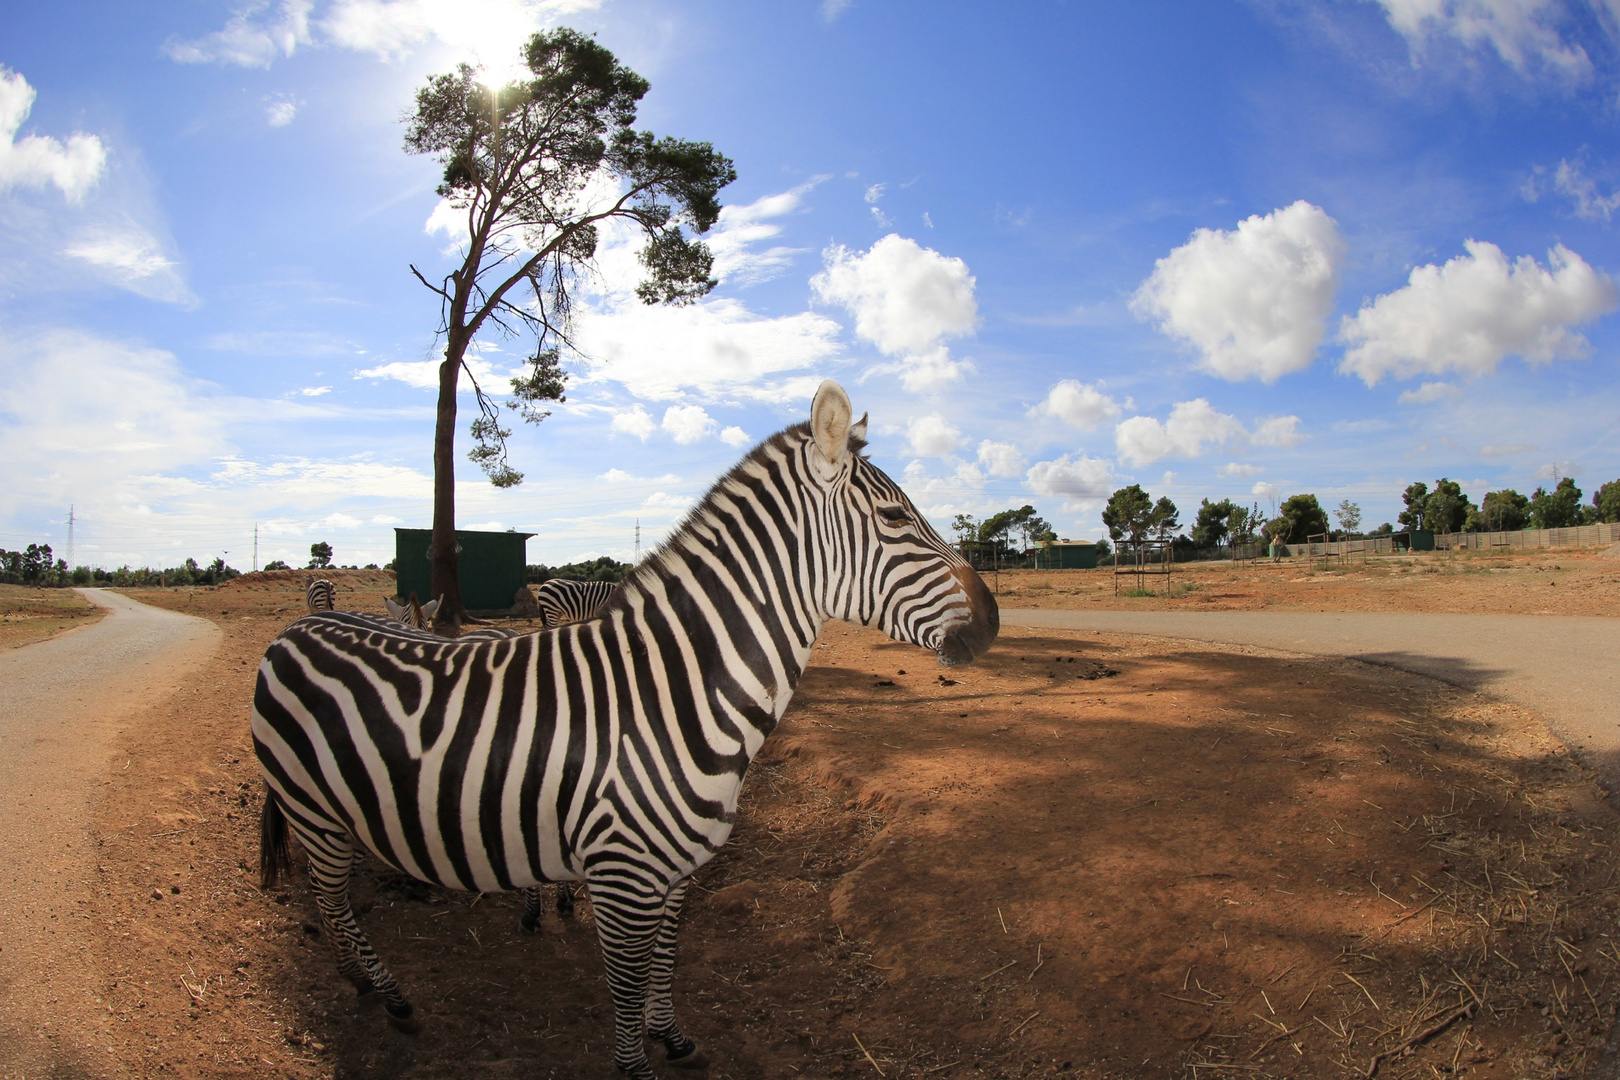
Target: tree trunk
{"points": [[442, 548]]}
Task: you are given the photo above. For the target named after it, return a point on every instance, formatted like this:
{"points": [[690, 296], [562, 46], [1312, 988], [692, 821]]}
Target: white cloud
{"points": [[1583, 192], [740, 227], [133, 260], [1078, 479], [1083, 406], [932, 436], [831, 9], [34, 161], [875, 192], [280, 113], [1280, 431], [1143, 440], [482, 31], [1264, 490], [1523, 33], [907, 300], [1000, 459], [1469, 314], [736, 436], [634, 421], [687, 424], [1233, 468], [1253, 301], [315, 391], [1428, 394]]}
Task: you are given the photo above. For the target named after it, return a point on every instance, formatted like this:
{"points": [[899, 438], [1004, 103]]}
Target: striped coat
{"points": [[564, 601], [320, 595], [613, 750]]}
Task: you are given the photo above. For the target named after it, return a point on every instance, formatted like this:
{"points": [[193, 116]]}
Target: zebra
{"points": [[320, 595], [417, 616], [564, 601], [611, 750]]}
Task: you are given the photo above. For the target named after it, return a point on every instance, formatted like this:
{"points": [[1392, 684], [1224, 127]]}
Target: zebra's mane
{"points": [[652, 566]]}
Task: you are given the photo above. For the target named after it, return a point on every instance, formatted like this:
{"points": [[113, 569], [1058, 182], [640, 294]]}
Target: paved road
{"points": [[1566, 668], [62, 702]]}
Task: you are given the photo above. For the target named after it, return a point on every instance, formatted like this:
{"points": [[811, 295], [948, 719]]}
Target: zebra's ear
{"points": [[858, 432], [430, 607], [830, 414], [395, 611]]}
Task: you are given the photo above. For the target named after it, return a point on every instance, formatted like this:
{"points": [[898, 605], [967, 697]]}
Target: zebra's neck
{"points": [[736, 580]]}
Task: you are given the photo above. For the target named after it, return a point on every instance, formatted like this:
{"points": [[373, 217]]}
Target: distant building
{"points": [[1066, 555]]}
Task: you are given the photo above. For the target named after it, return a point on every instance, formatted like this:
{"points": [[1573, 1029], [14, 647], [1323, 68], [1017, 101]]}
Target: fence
{"points": [[1574, 536]]}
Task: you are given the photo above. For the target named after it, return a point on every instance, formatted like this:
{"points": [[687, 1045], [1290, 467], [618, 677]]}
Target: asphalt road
{"points": [[62, 704], [1566, 668]]}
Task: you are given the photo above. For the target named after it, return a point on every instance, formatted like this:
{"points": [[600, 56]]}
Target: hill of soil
{"points": [[1087, 855]]}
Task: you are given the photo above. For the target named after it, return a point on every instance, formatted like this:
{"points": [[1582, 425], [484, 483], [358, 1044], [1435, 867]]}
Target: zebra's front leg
{"points": [[534, 898], [629, 916], [681, 1052], [331, 856]]}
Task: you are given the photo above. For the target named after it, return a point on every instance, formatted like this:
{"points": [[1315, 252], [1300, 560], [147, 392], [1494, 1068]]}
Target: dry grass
{"points": [[28, 615]]}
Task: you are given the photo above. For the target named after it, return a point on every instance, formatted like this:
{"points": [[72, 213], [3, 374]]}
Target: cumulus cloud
{"points": [[1143, 440], [932, 436], [1428, 394], [1073, 479], [1084, 406], [1253, 301], [1524, 34], [1000, 459], [736, 436], [687, 424], [1264, 490], [907, 300], [34, 161], [280, 113], [1477, 309], [1279, 431], [1233, 468], [635, 421]]}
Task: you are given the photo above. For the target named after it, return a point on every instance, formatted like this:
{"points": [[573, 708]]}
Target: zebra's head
{"points": [[881, 563]]}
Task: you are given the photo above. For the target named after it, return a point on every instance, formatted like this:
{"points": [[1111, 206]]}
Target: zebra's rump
{"points": [[393, 735], [562, 600]]}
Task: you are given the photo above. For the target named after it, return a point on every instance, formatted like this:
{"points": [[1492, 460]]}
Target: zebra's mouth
{"points": [[971, 636]]}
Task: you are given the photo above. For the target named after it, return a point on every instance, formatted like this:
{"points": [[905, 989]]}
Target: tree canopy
{"points": [[1303, 517], [534, 169], [1129, 514], [1606, 500], [1499, 511], [1214, 522], [1558, 508]]}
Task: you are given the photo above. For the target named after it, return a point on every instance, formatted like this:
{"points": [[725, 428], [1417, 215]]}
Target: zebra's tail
{"points": [[273, 858]]}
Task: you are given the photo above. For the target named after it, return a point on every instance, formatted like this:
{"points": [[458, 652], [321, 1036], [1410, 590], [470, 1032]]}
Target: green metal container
{"points": [[1422, 540], [1067, 555], [490, 566]]}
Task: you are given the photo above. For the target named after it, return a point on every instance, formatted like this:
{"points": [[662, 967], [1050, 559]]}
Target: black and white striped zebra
{"points": [[564, 601], [412, 612], [320, 595], [611, 750]]}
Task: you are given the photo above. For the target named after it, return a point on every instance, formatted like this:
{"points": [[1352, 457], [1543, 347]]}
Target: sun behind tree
{"points": [[534, 167]]}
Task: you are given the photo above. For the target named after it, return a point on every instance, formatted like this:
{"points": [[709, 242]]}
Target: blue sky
{"points": [[1221, 250]]}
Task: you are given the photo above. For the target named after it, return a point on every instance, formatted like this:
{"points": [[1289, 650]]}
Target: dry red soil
{"points": [[1584, 581], [1087, 855]]}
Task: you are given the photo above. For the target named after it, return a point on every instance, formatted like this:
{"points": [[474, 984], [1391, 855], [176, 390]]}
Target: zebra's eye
{"points": [[894, 515]]}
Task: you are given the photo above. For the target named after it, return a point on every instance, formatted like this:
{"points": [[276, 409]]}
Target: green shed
{"points": [[490, 566], [1422, 540], [1067, 555]]}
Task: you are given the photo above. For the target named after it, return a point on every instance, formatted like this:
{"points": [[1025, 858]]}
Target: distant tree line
{"points": [[1005, 536], [1445, 509], [602, 569], [34, 565]]}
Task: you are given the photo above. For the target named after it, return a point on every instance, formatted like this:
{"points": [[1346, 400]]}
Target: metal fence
{"points": [[1523, 539]]}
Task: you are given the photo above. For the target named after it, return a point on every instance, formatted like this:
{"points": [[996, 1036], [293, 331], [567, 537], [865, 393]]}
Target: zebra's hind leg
{"points": [[534, 902], [331, 856], [565, 899], [681, 1052]]}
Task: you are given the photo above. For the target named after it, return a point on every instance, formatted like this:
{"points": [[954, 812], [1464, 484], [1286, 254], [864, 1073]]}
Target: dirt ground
{"points": [[1087, 855], [1568, 581], [28, 615]]}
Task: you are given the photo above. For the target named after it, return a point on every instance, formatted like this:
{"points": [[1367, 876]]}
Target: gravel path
{"points": [[1567, 668], [62, 702]]}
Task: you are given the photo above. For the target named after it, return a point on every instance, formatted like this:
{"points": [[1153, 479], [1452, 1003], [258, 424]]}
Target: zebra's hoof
{"points": [[530, 923], [369, 999], [402, 1018], [692, 1059], [565, 901]]}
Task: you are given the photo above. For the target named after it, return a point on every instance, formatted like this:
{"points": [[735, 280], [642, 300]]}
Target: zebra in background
{"points": [[412, 612], [564, 601], [320, 595], [611, 750]]}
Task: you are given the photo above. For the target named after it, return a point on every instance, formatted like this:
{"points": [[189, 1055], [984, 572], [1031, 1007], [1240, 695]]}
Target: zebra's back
{"points": [[562, 600]]}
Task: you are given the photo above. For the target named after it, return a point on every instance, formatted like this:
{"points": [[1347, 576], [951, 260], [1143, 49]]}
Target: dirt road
{"points": [[61, 704], [1567, 668]]}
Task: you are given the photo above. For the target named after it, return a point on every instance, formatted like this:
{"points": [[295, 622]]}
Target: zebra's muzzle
{"points": [[967, 641]]}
